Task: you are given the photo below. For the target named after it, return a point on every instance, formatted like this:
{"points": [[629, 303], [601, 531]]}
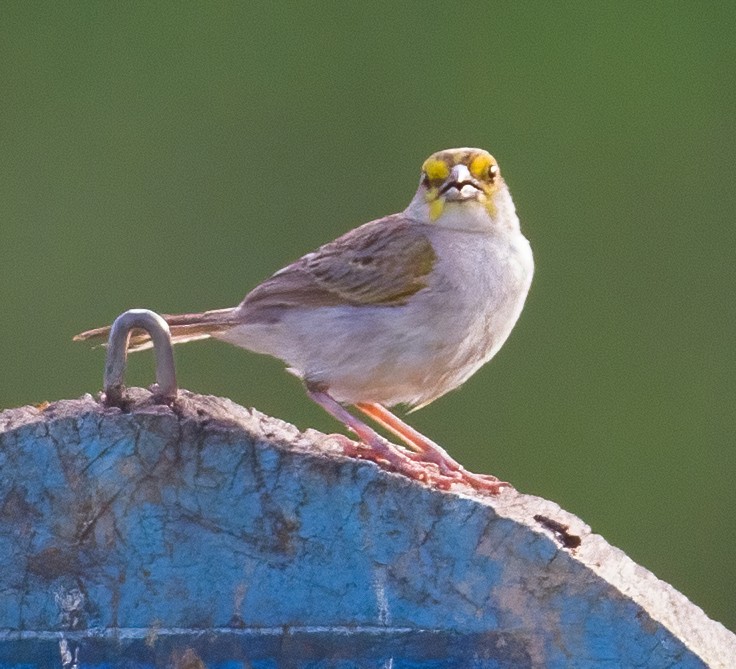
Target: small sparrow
{"points": [[400, 310]]}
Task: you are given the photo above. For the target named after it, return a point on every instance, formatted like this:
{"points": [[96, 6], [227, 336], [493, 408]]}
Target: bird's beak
{"points": [[460, 185]]}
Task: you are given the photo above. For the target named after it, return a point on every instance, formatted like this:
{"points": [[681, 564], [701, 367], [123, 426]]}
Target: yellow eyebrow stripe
{"points": [[479, 166], [436, 170]]}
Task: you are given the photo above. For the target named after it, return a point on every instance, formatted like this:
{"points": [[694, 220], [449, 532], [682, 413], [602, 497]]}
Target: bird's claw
{"points": [[393, 457]]}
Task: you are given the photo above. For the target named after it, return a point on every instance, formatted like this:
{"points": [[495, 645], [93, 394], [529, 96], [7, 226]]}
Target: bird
{"points": [[398, 311]]}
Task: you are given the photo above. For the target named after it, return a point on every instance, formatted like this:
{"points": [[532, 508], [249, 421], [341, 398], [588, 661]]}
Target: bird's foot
{"points": [[397, 459], [483, 482], [427, 451], [423, 461], [415, 466], [448, 467]]}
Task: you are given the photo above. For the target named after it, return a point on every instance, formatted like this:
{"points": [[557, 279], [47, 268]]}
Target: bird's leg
{"points": [[374, 447], [414, 439], [429, 450]]}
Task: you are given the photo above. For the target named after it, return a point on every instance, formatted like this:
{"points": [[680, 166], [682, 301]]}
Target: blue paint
{"points": [[272, 650]]}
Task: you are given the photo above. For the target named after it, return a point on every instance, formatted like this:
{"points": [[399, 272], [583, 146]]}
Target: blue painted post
{"points": [[205, 534]]}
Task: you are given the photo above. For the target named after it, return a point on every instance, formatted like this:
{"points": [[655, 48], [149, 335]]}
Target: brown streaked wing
{"points": [[381, 263]]}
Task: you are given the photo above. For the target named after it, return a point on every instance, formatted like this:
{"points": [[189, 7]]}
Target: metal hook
{"points": [[117, 354]]}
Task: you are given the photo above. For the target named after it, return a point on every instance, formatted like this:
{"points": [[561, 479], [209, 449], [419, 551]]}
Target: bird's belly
{"points": [[361, 354], [391, 355], [404, 354]]}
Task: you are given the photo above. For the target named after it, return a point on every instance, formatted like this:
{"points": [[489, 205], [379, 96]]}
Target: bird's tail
{"points": [[184, 328]]}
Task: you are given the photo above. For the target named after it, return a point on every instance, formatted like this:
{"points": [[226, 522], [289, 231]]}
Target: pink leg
{"points": [[430, 451], [378, 449]]}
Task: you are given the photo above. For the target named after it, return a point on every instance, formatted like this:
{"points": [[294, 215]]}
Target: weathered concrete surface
{"points": [[163, 522]]}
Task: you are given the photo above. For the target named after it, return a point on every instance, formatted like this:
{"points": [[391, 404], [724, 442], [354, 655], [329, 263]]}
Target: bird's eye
{"points": [[492, 172]]}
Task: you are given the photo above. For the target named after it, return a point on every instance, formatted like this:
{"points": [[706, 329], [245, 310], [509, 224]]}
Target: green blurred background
{"points": [[171, 155]]}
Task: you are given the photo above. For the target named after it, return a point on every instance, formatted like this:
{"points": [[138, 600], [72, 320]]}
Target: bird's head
{"points": [[463, 189]]}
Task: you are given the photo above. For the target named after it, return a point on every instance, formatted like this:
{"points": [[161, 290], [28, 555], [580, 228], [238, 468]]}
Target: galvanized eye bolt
{"points": [[117, 355]]}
